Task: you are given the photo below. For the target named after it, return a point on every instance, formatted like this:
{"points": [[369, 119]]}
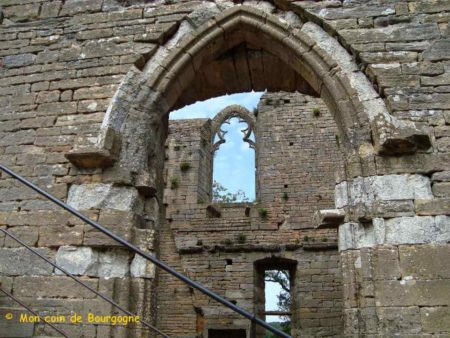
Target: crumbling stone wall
{"points": [[92, 82], [220, 244]]}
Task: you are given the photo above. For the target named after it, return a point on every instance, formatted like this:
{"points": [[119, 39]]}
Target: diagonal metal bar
{"points": [[149, 257], [76, 279], [18, 301]]}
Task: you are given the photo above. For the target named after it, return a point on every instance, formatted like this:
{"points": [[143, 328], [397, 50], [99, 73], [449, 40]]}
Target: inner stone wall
{"points": [[219, 244], [61, 64]]}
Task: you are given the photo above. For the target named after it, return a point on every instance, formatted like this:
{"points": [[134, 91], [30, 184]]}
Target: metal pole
{"points": [[146, 255]]}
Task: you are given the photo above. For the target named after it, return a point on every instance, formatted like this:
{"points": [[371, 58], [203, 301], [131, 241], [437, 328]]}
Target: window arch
{"points": [[226, 116]]}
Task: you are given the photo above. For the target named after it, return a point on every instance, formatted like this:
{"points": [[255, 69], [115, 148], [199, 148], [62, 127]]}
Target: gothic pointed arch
{"points": [[145, 97]]}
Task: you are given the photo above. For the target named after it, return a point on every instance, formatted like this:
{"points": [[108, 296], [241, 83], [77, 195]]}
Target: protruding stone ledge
{"points": [[401, 139], [91, 157], [320, 246], [145, 184], [102, 154], [329, 218]]}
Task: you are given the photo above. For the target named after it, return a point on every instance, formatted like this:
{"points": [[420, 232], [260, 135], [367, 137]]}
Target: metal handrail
{"points": [[79, 281], [147, 256], [18, 301]]}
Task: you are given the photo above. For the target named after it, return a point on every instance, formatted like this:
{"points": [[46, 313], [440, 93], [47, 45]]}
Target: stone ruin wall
{"points": [[219, 244], [63, 61]]}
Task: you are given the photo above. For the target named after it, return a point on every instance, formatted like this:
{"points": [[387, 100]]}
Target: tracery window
{"points": [[233, 150]]}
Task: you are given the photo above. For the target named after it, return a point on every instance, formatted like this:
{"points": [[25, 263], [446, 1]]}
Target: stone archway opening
{"points": [[241, 49]]}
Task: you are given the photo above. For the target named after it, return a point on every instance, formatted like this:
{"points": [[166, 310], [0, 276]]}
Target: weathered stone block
{"points": [[27, 234], [114, 263], [57, 108], [402, 32], [50, 10], [386, 263], [95, 238], [441, 176], [104, 196], [412, 292], [57, 235], [141, 267], [398, 230], [22, 12], [425, 261], [19, 60], [435, 319], [367, 190], [53, 287], [441, 189], [411, 230], [439, 50], [437, 206], [72, 7], [77, 260], [14, 328], [20, 261], [399, 320]]}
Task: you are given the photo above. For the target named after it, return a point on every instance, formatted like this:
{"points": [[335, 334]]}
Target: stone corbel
{"points": [[395, 137], [329, 218], [102, 154]]}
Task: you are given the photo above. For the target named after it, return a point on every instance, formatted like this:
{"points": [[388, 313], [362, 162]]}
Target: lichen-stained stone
{"points": [[113, 263], [367, 190], [20, 261], [394, 231], [104, 196], [410, 230], [141, 267], [77, 260]]}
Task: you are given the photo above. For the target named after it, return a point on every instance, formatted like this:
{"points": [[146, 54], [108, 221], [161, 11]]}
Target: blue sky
{"points": [[234, 163]]}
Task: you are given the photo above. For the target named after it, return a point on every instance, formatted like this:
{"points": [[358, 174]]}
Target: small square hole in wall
{"points": [[285, 185], [291, 143], [287, 101], [229, 261]]}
